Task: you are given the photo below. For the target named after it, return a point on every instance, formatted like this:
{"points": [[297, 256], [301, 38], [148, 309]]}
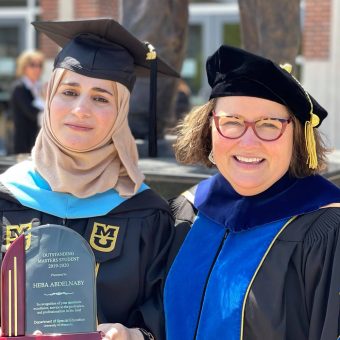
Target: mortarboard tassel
{"points": [[314, 121], [310, 124], [310, 140], [152, 57]]}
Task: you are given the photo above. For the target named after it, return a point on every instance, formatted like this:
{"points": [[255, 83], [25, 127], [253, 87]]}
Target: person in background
{"points": [[84, 174], [262, 258], [26, 102]]}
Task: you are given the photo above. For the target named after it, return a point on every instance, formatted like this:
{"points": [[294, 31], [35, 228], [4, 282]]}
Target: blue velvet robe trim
{"points": [[228, 281], [32, 191], [186, 279], [232, 273], [288, 197]]}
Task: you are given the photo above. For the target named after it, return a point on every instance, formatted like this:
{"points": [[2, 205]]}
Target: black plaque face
{"points": [[60, 281]]}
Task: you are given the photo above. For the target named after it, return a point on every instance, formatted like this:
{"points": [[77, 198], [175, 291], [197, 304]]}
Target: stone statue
{"points": [[271, 28], [164, 24]]}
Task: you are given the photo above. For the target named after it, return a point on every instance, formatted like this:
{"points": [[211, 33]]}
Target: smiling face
{"points": [[250, 164], [82, 111]]}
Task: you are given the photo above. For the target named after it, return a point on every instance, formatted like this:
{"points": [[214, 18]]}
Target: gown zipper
{"points": [[208, 277]]}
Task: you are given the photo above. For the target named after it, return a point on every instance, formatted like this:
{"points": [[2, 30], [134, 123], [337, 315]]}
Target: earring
{"points": [[211, 157]]}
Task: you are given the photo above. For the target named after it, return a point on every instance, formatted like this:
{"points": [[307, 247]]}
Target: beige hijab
{"points": [[110, 164]]}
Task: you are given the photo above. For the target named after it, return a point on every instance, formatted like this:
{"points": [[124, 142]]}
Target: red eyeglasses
{"points": [[266, 129]]}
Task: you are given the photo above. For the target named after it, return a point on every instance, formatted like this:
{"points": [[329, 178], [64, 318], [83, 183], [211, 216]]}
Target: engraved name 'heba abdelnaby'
{"points": [[54, 284]]}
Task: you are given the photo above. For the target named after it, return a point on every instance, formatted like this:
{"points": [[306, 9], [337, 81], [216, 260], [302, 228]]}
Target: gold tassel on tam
{"points": [[314, 121], [310, 141]]}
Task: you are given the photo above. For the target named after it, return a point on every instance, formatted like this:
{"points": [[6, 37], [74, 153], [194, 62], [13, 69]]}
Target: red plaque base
{"points": [[76, 336]]}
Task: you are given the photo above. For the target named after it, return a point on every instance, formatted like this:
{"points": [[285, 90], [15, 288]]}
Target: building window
{"points": [[13, 3]]}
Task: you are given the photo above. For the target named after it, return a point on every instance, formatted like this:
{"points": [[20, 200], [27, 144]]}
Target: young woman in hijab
{"points": [[262, 258], [84, 174]]}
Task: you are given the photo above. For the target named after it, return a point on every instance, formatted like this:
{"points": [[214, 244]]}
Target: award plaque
{"points": [[48, 284]]}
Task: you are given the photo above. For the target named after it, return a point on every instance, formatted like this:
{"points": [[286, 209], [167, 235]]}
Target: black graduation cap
{"points": [[102, 48], [235, 72]]}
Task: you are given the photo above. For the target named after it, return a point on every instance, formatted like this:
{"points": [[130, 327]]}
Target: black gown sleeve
{"points": [[156, 238], [184, 212], [23, 102], [321, 272]]}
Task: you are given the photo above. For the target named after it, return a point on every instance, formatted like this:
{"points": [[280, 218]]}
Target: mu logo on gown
{"points": [[103, 237], [15, 230]]}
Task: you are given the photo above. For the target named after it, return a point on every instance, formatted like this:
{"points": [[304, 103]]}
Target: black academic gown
{"points": [[130, 277], [294, 294], [25, 117]]}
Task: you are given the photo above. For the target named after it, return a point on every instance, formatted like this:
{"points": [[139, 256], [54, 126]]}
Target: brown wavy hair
{"points": [[194, 142]]}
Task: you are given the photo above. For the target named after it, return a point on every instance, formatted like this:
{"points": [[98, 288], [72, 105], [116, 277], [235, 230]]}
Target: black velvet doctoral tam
{"points": [[235, 72]]}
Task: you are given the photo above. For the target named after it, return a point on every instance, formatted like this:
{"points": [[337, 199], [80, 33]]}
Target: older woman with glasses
{"points": [[262, 257]]}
